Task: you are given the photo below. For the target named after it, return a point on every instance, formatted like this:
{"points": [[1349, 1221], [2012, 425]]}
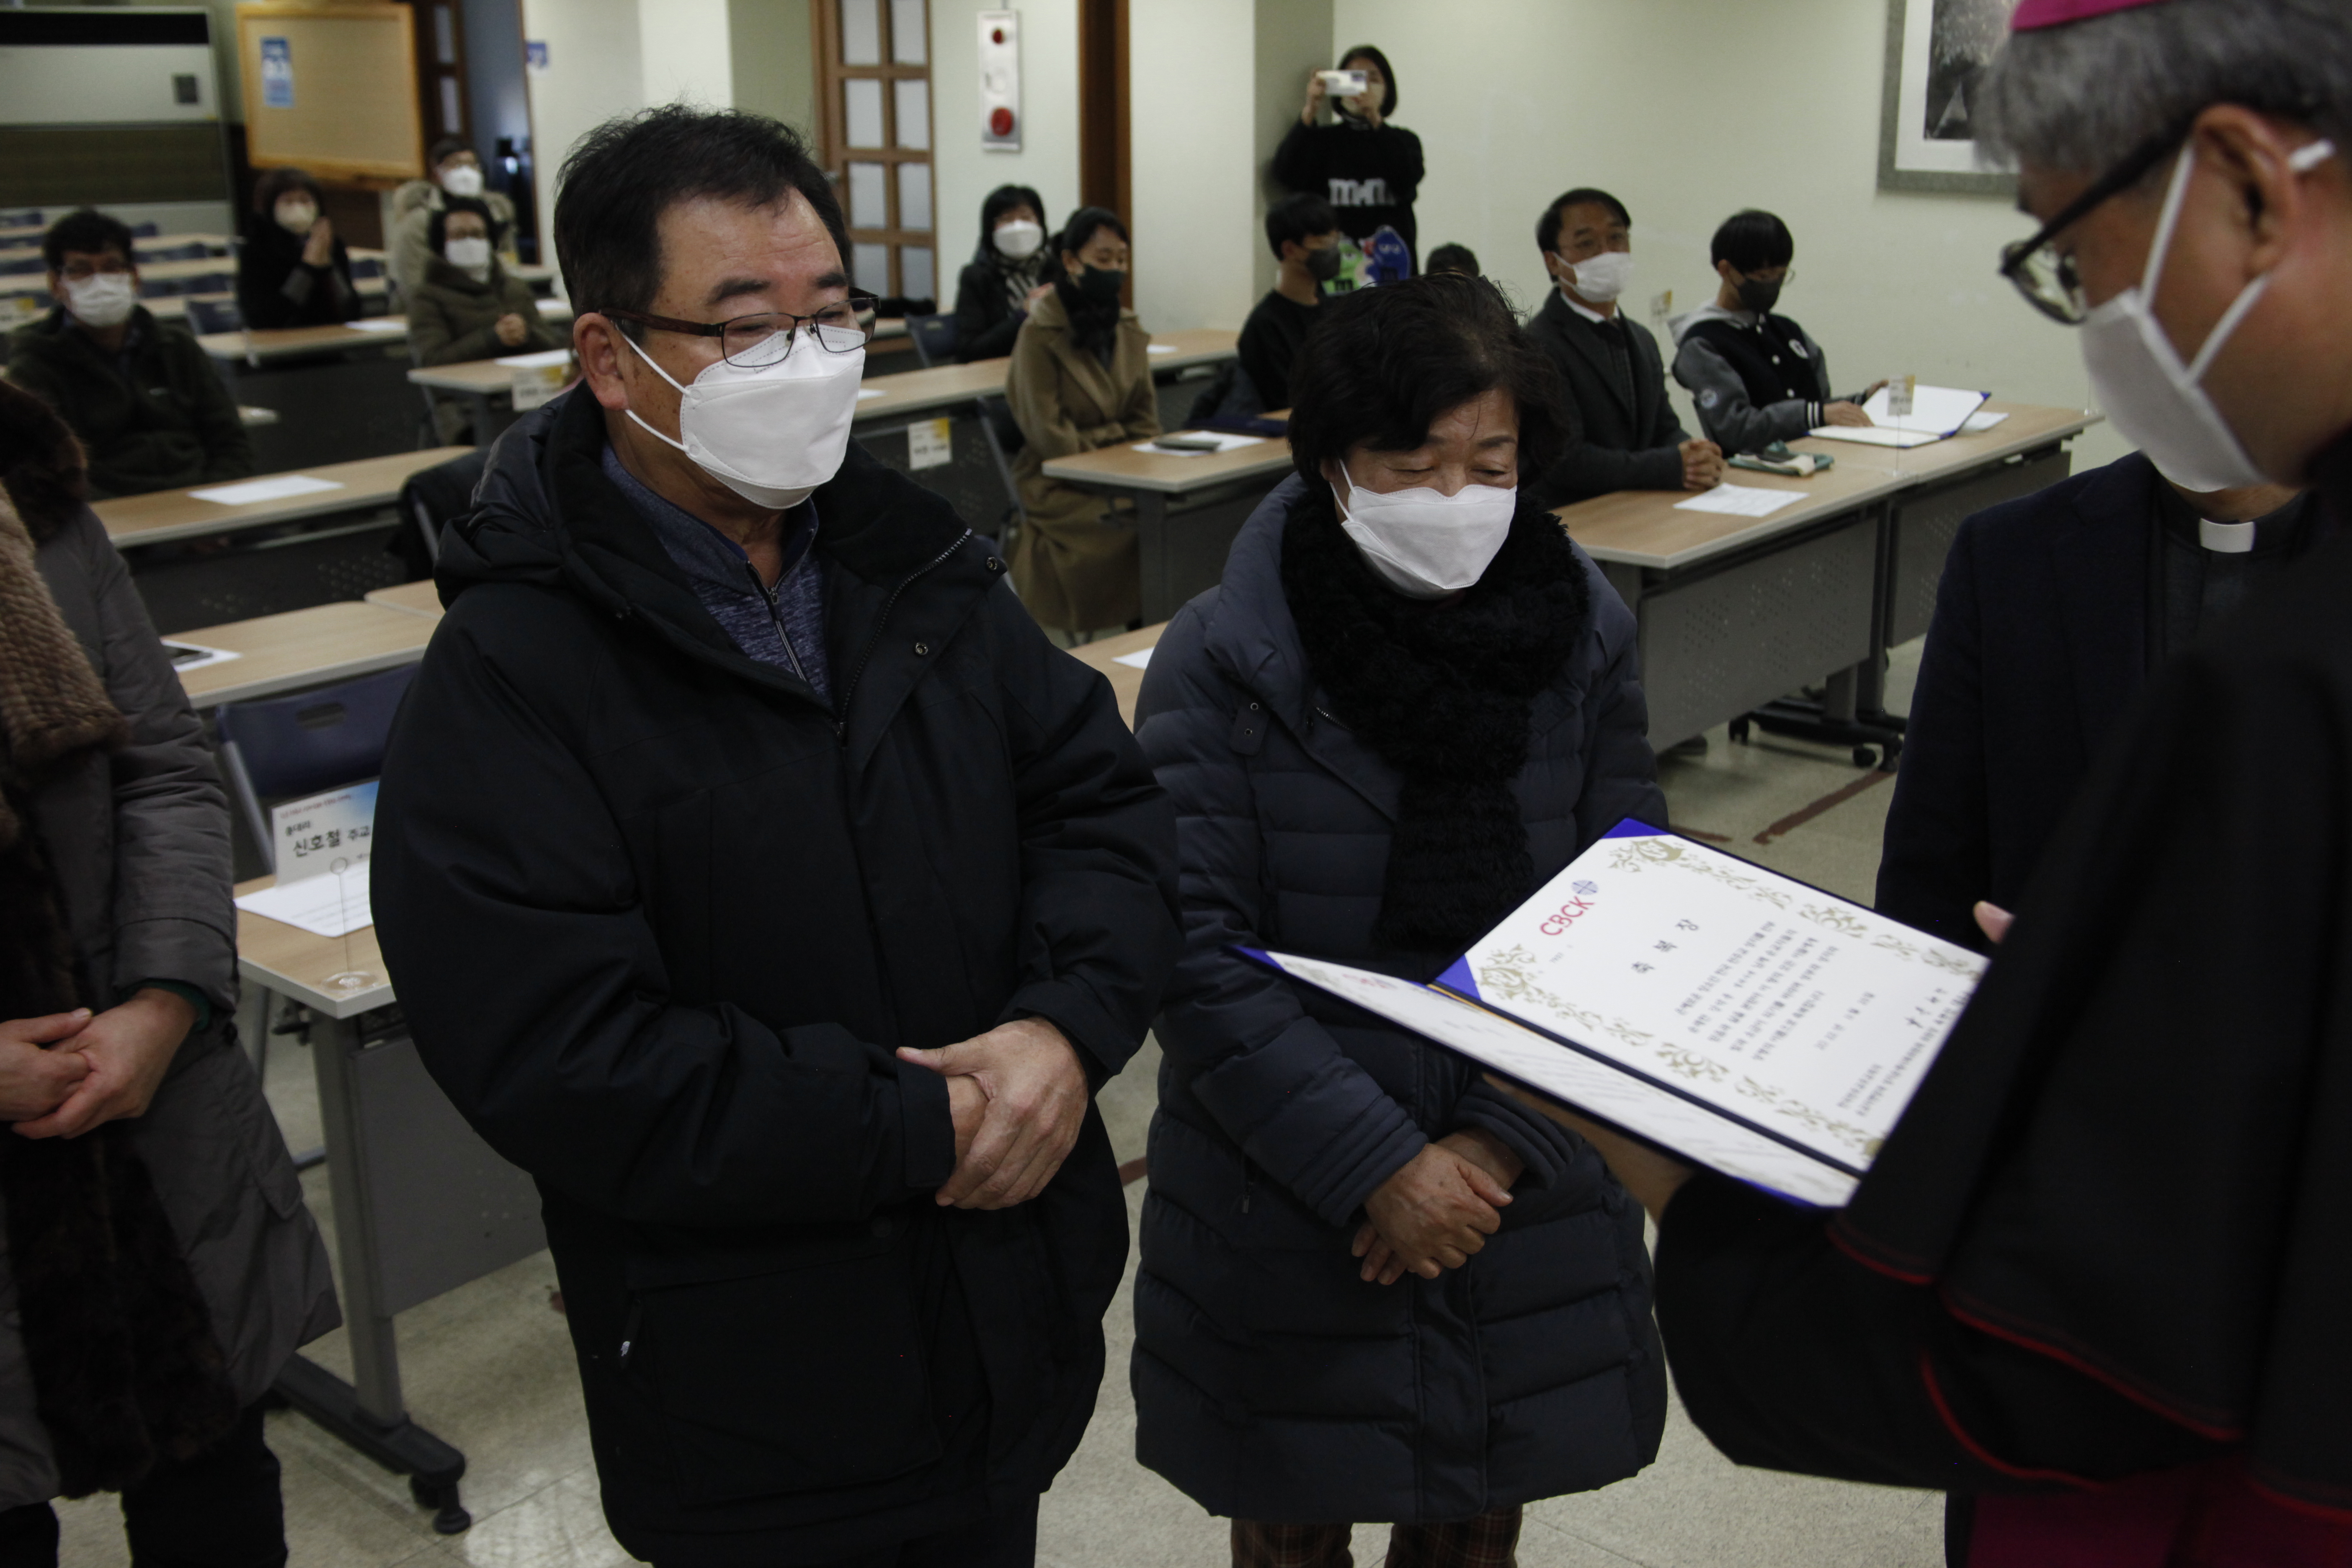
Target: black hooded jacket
{"points": [[660, 920]]}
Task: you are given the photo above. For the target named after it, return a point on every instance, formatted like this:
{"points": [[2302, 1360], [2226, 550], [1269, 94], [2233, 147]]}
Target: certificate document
{"points": [[1723, 1012]]}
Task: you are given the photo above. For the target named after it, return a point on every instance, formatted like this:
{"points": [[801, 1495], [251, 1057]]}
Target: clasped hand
{"points": [[62, 1074], [1437, 1211], [1018, 1098]]}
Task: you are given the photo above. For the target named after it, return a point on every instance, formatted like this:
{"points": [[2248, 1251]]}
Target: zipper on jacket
{"points": [[857, 671], [629, 1331], [770, 598]]}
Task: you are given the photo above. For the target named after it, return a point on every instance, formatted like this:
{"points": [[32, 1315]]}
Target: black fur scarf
{"points": [[1443, 692], [126, 1369]]}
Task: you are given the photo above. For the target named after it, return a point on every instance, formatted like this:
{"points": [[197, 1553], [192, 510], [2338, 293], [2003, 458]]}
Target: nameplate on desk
{"points": [[536, 379], [1731, 1016], [322, 839], [379, 324], [278, 487]]}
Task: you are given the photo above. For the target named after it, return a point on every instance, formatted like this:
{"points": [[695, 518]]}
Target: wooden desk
{"points": [[297, 342], [1125, 681], [421, 1204], [1179, 557], [218, 242], [175, 514], [1644, 527], [912, 392], [422, 598], [324, 644], [1192, 346]]}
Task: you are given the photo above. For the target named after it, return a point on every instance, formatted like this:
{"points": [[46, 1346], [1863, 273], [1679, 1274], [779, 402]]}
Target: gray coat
{"points": [[138, 840]]}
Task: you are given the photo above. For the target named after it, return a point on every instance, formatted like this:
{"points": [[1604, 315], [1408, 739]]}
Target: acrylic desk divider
{"points": [[350, 979]]}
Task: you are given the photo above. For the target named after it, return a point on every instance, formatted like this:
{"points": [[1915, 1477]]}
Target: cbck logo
{"points": [[1575, 909]]}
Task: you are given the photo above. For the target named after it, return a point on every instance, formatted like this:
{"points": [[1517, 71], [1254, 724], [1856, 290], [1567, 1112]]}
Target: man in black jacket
{"points": [[1622, 433], [151, 412], [757, 876], [2054, 610]]}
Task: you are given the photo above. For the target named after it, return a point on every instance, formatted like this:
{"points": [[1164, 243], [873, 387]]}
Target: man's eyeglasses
{"points": [[80, 268], [2044, 274], [755, 342]]}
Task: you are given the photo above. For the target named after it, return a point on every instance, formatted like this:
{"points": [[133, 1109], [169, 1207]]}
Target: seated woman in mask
{"points": [[293, 272], [1080, 379], [467, 307], [1374, 1287], [1005, 277]]}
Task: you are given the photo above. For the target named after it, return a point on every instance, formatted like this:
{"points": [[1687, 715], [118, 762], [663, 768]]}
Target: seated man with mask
{"points": [[1622, 432], [1756, 377], [758, 877], [1304, 234], [2054, 611], [150, 410]]}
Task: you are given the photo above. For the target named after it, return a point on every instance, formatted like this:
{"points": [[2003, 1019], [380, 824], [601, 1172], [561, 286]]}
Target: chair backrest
{"points": [[192, 251], [282, 747], [215, 316], [145, 230], [433, 497], [17, 266], [366, 267], [935, 339], [27, 215]]}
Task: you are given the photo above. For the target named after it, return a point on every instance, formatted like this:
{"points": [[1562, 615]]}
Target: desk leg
{"points": [[1152, 557], [365, 1413]]}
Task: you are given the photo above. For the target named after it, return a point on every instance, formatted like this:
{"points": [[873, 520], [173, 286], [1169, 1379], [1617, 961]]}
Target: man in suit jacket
{"points": [[1622, 433], [2054, 611]]}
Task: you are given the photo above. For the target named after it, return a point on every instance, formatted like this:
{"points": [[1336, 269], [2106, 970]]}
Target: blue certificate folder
{"points": [[1738, 1019]]}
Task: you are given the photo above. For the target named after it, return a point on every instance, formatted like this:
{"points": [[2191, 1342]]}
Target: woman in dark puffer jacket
{"points": [[1373, 1287]]}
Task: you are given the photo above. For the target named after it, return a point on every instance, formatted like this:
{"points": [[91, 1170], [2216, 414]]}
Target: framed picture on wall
{"points": [[1937, 51]]}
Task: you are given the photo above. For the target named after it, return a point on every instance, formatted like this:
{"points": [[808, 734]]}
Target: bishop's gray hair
{"points": [[2082, 97]]}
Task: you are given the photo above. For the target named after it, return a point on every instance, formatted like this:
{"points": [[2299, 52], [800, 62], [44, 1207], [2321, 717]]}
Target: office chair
{"points": [[995, 423], [434, 498], [17, 266], [145, 230], [206, 316], [935, 339]]}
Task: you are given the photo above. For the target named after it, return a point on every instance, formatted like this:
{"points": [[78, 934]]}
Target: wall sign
{"points": [[277, 74], [1000, 81]]}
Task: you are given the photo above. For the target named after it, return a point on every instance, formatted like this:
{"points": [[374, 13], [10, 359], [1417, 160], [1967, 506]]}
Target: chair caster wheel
{"points": [[1864, 757], [449, 1517]]}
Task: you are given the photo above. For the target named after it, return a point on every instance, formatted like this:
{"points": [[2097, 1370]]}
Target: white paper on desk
{"points": [[1160, 348], [866, 392], [1226, 442], [1977, 424], [1873, 435], [1138, 660], [379, 324], [331, 905], [278, 487], [537, 361], [1740, 500], [188, 655], [1729, 1014], [1937, 410]]}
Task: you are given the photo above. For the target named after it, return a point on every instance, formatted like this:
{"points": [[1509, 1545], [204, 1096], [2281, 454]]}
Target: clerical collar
{"points": [[1581, 309], [2226, 538]]}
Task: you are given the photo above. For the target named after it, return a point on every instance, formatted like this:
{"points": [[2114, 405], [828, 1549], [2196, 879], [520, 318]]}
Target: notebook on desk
{"points": [[1733, 1016]]}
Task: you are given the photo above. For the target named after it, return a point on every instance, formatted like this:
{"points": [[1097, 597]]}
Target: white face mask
{"points": [[102, 300], [471, 256], [465, 180], [771, 435], [1600, 278], [296, 217], [2137, 376], [1018, 239], [1423, 543]]}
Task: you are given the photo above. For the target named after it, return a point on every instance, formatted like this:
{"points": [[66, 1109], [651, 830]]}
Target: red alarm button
{"points": [[996, 36], [1000, 122]]}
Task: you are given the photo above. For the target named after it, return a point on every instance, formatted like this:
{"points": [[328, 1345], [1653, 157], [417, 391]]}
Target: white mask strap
{"points": [[2303, 159], [665, 376], [2173, 196]]}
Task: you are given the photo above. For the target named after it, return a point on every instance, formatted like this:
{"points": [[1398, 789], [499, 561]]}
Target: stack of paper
{"points": [[1728, 1015], [278, 487], [1740, 500], [328, 905], [1225, 441]]}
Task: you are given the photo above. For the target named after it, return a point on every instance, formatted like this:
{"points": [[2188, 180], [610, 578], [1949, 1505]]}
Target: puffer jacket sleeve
{"points": [[512, 921], [1621, 772], [173, 914], [1098, 920], [1274, 1079]]}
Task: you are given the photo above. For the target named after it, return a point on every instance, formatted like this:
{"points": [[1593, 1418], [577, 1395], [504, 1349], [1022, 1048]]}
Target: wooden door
{"points": [[874, 93]]}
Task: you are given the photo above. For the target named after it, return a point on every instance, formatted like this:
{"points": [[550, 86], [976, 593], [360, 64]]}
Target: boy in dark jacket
{"points": [[1755, 377], [1305, 237], [151, 411]]}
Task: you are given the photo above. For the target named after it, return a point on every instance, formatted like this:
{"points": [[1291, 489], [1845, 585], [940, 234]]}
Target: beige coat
{"points": [[1076, 566]]}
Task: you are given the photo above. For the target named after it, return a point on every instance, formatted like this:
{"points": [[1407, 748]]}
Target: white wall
{"points": [[684, 53], [1048, 159], [591, 74], [1191, 95], [1688, 110]]}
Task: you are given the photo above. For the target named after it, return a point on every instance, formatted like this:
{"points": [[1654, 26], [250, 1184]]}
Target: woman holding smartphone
{"points": [[1368, 168]]}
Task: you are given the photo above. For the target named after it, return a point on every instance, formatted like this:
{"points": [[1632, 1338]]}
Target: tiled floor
{"points": [[488, 1366]]}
